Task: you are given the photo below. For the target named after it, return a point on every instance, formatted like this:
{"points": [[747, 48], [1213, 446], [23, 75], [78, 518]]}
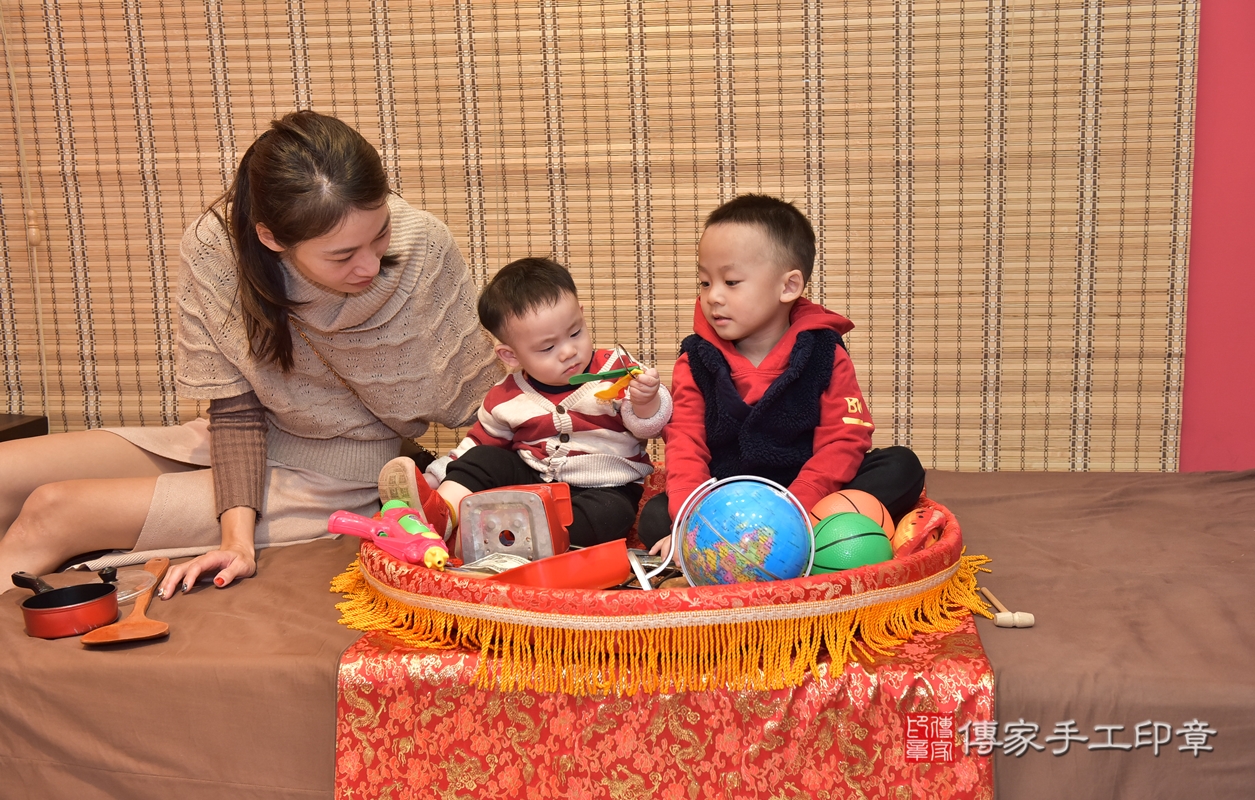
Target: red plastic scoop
{"points": [[598, 567]]}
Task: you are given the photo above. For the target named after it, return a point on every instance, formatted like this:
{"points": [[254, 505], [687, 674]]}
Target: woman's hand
{"points": [[643, 392], [235, 559]]}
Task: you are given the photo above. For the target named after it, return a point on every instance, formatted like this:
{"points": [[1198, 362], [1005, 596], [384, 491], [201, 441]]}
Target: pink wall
{"points": [[1218, 417]]}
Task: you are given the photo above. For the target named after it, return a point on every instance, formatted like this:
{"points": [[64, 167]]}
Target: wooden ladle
{"points": [[136, 625]]}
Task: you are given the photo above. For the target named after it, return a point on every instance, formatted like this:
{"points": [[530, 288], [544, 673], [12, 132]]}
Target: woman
{"points": [[322, 318]]}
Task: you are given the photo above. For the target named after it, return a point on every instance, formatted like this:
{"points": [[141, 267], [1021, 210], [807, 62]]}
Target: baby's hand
{"points": [[643, 392], [662, 548]]}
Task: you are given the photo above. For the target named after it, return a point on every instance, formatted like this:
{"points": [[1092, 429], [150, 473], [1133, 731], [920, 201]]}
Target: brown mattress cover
{"points": [[1143, 587], [1141, 584], [238, 702]]}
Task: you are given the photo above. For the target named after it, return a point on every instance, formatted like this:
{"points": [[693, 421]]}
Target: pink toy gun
{"points": [[399, 531]]}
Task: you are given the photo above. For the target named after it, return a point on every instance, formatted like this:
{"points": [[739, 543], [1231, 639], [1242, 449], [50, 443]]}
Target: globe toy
{"points": [[853, 501], [742, 529], [845, 541]]}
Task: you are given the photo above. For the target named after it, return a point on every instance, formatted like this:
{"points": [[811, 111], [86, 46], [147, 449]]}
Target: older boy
{"points": [[534, 426], [764, 386]]}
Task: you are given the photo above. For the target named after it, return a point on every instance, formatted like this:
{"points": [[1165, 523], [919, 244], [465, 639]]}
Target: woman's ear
{"points": [[507, 355], [792, 286], [267, 238]]}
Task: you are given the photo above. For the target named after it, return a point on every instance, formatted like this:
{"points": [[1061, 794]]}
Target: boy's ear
{"points": [[507, 355], [792, 286], [267, 238]]}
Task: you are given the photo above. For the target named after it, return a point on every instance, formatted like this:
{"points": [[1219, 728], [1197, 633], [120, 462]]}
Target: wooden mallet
{"points": [[1008, 619]]}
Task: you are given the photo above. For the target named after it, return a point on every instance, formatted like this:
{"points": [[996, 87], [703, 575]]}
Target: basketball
{"points": [[845, 541], [852, 501]]}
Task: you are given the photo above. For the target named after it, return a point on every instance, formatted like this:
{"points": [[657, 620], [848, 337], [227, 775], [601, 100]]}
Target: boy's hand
{"points": [[643, 392], [662, 548]]}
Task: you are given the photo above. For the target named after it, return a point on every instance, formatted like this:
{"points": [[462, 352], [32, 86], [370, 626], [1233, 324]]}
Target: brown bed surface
{"points": [[238, 702], [1141, 584]]}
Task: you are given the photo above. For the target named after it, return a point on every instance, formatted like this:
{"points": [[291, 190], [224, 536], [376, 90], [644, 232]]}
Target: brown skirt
{"points": [[183, 519]]}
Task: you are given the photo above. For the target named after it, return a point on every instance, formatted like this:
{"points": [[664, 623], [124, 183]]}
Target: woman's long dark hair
{"points": [[299, 179]]}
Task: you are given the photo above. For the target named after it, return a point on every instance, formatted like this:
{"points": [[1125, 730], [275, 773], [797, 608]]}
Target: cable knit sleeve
{"points": [[469, 366], [237, 451], [207, 292], [650, 427]]}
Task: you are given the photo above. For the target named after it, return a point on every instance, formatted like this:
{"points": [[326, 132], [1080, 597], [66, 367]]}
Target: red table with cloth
{"points": [[487, 690], [410, 724]]}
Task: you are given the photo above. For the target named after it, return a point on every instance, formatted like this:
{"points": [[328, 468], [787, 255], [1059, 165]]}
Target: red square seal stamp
{"points": [[929, 737]]}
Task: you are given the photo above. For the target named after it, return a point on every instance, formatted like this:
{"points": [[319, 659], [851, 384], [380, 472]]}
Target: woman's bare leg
{"points": [[26, 464], [63, 519], [72, 493]]}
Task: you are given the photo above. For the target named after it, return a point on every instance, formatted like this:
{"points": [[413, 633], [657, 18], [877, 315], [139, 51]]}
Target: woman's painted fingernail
{"points": [[219, 582], [185, 587], [161, 593]]}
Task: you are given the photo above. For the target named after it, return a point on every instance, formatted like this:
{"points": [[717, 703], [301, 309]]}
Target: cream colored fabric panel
{"points": [[1000, 188]]}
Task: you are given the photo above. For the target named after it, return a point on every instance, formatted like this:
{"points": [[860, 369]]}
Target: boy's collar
{"points": [[547, 388]]}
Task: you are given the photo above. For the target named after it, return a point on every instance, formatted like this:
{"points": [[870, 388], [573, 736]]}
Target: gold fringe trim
{"points": [[758, 654]]}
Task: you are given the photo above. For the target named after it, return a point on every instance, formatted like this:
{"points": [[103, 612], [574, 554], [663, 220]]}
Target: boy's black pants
{"points": [[601, 514], [893, 475]]}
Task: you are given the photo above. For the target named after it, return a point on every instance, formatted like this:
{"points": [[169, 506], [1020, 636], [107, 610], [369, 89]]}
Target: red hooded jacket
{"points": [[845, 427]]}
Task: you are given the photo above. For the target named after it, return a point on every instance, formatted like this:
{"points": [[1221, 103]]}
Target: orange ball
{"points": [[852, 501], [919, 529]]}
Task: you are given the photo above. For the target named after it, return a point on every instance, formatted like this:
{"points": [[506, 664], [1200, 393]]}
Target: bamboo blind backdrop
{"points": [[1000, 188]]}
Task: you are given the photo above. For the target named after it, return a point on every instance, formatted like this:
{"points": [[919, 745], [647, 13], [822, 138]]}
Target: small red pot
{"points": [[73, 610]]}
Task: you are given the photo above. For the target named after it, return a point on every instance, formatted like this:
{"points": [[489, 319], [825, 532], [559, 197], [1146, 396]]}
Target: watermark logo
{"points": [[1020, 737], [930, 737], [934, 738]]}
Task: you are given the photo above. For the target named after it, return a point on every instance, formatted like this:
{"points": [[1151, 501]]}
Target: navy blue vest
{"points": [[774, 438]]}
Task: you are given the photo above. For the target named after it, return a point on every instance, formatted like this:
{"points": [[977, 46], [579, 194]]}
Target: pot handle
{"points": [[29, 581]]}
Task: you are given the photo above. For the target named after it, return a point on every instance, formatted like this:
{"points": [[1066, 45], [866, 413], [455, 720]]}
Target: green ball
{"points": [[846, 541]]}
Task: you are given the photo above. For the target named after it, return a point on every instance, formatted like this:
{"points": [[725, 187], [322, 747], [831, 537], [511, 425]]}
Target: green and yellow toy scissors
{"points": [[616, 389]]}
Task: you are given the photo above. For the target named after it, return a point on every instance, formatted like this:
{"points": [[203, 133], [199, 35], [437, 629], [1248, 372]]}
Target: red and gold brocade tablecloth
{"points": [[411, 724]]}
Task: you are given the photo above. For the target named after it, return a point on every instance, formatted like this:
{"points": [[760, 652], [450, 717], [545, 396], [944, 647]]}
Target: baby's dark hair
{"points": [[787, 227], [520, 287]]}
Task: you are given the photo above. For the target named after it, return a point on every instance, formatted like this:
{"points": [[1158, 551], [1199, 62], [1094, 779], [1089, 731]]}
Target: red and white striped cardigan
{"points": [[570, 436]]}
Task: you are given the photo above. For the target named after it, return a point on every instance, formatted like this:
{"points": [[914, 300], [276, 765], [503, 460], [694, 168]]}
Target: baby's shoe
{"points": [[400, 480]]}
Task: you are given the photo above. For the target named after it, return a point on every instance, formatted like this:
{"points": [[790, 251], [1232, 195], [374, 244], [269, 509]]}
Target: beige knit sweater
{"points": [[411, 347]]}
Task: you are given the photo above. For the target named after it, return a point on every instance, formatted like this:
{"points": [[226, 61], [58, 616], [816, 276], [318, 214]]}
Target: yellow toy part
{"points": [[435, 558], [616, 389]]}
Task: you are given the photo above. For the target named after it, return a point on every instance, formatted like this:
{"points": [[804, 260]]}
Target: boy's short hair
{"points": [[520, 287], [787, 227]]}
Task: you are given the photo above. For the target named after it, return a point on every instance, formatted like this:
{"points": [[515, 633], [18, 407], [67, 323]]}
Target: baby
{"points": [[534, 426]]}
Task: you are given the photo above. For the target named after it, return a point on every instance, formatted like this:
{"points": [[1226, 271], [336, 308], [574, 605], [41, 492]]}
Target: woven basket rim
{"points": [[813, 595]]}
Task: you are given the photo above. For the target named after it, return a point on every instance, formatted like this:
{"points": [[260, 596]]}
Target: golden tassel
{"points": [[759, 655]]}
